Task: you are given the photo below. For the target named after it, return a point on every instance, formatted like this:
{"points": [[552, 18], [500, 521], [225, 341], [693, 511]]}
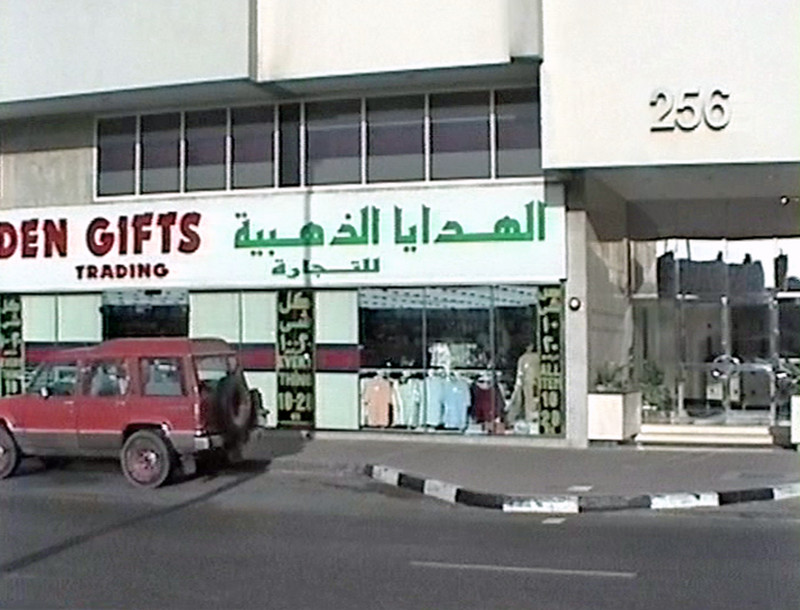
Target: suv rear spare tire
{"points": [[9, 453], [235, 409], [146, 459]]}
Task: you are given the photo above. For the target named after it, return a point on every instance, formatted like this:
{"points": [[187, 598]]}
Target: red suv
{"points": [[156, 403]]}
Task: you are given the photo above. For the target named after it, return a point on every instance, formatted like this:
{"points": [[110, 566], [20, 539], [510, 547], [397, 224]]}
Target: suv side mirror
{"points": [[44, 392]]}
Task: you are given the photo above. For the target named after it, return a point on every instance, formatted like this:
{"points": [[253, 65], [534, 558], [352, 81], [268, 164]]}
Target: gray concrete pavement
{"points": [[517, 470]]}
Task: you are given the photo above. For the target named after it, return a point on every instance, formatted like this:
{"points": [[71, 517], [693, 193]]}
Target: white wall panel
{"points": [[337, 401], [54, 48], [336, 316], [605, 58], [79, 318], [314, 38], [39, 318], [214, 314], [258, 317]]}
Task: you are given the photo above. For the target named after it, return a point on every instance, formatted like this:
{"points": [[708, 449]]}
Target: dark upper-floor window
{"points": [[439, 136], [116, 156]]}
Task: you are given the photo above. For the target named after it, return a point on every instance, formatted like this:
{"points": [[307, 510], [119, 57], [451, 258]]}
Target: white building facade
{"points": [[451, 217]]}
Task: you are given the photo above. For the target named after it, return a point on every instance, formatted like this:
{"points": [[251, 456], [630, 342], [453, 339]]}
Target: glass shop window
{"points": [[251, 147], [391, 327], [333, 142], [459, 135], [205, 150], [455, 359], [160, 135], [519, 149], [395, 139], [289, 144], [116, 156]]}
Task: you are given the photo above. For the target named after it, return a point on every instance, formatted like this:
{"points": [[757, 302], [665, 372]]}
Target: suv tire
{"points": [[235, 409], [147, 459], [9, 453]]}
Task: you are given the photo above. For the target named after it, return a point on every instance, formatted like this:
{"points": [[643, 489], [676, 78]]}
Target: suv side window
{"points": [[107, 378], [161, 376], [60, 379]]}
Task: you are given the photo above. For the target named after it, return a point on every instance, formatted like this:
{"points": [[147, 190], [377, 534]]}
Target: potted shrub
{"points": [[614, 405]]}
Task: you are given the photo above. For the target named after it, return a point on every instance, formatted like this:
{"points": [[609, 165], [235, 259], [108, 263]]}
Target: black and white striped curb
{"points": [[575, 503]]}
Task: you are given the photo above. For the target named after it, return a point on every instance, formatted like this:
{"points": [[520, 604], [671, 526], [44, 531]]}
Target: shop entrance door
{"points": [[728, 350], [145, 313]]}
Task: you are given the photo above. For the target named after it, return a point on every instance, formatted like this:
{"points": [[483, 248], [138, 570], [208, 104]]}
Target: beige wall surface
{"points": [[604, 61], [297, 39], [52, 48]]}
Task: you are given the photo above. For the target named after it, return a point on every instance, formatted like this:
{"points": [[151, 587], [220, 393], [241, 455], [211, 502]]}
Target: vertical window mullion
{"points": [[137, 157], [492, 136], [228, 150], [302, 130], [363, 151], [427, 137], [182, 155], [276, 148]]}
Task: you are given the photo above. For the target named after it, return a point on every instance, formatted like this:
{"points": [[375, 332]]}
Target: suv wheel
{"points": [[235, 409], [9, 453], [146, 459]]}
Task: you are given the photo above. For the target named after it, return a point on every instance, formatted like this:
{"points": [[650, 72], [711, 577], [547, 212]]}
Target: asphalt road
{"points": [[262, 538]]}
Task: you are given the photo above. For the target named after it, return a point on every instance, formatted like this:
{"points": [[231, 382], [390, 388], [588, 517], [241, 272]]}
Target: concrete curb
{"points": [[570, 504]]}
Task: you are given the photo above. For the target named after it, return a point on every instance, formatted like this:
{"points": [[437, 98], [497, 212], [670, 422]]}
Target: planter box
{"points": [[794, 434], [614, 417]]}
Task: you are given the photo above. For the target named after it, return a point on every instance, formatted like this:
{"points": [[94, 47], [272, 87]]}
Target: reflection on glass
{"points": [[395, 138], [116, 154], [333, 142], [289, 144], [459, 135], [519, 149], [251, 147], [160, 153], [205, 149]]}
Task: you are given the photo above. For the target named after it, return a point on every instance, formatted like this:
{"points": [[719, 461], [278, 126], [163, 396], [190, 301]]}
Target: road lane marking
{"points": [[522, 570], [554, 521]]}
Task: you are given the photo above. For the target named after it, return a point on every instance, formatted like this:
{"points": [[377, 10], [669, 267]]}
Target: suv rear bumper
{"points": [[187, 442]]}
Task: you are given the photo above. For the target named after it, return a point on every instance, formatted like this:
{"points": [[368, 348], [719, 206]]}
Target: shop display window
{"points": [[454, 359]]}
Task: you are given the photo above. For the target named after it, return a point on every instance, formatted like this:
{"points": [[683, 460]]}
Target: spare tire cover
{"points": [[234, 407]]}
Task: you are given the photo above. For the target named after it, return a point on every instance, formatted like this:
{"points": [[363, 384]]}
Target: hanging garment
{"points": [[398, 406], [487, 402], [376, 398], [434, 397], [410, 395], [456, 399]]}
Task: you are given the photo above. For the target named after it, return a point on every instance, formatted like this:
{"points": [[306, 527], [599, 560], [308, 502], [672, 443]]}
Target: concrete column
{"points": [[576, 330]]}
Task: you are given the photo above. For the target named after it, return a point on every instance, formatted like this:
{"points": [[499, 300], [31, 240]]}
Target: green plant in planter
{"points": [[613, 377], [654, 390]]}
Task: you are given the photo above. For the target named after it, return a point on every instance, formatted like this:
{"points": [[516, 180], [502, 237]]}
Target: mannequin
{"points": [[525, 397]]}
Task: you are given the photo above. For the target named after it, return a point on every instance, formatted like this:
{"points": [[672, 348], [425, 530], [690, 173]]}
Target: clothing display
{"points": [[409, 396], [456, 400], [525, 397], [487, 400], [434, 399], [376, 400]]}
